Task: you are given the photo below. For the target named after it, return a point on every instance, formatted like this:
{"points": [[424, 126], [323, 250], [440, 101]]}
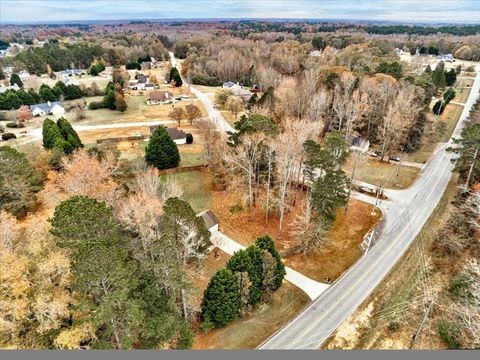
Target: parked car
{"points": [[366, 189], [394, 158], [378, 153], [372, 153]]}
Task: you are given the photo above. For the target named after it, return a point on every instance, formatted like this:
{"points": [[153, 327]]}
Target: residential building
{"points": [[160, 97], [178, 136], [211, 220], [71, 72], [24, 75], [11, 87], [360, 143], [49, 108]]}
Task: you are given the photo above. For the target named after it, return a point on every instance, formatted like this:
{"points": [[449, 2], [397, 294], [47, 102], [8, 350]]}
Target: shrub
{"points": [[8, 136], [189, 138], [133, 65], [438, 107], [94, 105], [13, 125], [448, 332]]}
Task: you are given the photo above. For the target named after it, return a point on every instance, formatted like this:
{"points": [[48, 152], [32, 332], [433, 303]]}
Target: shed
{"points": [[211, 220]]}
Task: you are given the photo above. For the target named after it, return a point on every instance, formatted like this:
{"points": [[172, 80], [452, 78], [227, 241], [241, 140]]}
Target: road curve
{"points": [[401, 225]]}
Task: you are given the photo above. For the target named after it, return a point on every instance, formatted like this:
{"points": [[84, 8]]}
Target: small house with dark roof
{"points": [[211, 220], [178, 136], [360, 143]]}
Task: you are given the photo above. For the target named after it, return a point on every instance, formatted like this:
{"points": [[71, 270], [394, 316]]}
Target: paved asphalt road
{"points": [[403, 221], [214, 115]]}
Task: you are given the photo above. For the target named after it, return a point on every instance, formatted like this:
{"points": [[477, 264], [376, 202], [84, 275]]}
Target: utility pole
{"points": [[377, 200], [425, 316]]}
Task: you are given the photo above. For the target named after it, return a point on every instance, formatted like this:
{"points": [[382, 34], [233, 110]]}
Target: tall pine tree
{"points": [[161, 151]]}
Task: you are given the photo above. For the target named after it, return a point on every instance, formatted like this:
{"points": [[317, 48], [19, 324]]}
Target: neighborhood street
{"points": [[404, 214]]}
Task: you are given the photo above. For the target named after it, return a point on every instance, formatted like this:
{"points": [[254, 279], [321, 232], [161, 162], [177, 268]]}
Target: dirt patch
{"points": [[349, 331]]}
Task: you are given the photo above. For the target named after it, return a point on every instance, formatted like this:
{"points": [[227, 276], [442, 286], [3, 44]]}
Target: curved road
{"points": [[403, 220]]}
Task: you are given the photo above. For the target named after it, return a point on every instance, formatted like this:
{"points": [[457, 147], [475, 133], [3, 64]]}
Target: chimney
{"points": [[49, 103], [166, 95]]}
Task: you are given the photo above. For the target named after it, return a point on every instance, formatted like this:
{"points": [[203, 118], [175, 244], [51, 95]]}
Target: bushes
{"points": [[448, 332], [249, 277], [441, 104], [198, 79], [161, 151], [94, 105], [14, 125], [133, 65], [8, 136], [97, 69], [189, 138]]}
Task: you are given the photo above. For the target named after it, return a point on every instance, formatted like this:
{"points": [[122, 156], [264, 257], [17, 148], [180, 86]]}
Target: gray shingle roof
{"points": [[46, 107]]}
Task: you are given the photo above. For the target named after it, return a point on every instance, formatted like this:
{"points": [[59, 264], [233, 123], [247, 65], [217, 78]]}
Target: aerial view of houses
{"points": [[265, 175]]}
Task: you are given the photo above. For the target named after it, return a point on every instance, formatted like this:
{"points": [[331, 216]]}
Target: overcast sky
{"points": [[391, 10]]}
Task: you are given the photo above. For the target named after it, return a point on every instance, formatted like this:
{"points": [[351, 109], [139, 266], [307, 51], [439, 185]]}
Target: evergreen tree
{"points": [[52, 137], [450, 77], [47, 94], [250, 261], [15, 79], [179, 221], [175, 76], [69, 134], [12, 101], [468, 151], [121, 300], [161, 151], [72, 92], [220, 303], [438, 107], [438, 75], [266, 243]]}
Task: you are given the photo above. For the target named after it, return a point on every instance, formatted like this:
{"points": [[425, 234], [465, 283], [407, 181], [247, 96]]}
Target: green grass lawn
{"points": [[195, 191]]}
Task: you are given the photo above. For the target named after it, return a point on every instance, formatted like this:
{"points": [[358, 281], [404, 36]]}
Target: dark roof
{"points": [[142, 79], [360, 141], [160, 95], [229, 84], [209, 217], [174, 133]]}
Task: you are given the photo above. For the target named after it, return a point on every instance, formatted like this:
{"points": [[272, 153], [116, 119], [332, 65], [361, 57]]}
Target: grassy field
{"points": [[439, 130], [195, 190], [383, 173]]}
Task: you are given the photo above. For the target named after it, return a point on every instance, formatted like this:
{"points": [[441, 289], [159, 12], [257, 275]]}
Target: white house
{"points": [[230, 85], [11, 87], [448, 58], [24, 75], [70, 81], [49, 108]]}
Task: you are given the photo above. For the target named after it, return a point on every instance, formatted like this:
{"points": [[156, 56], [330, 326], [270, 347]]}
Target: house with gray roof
{"points": [[211, 220], [12, 87], [49, 108], [71, 72], [178, 136]]}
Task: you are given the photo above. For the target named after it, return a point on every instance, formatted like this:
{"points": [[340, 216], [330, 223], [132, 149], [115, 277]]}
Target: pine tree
{"points": [[266, 243], [52, 137], [175, 76], [15, 79], [249, 260], [69, 134], [221, 299], [450, 77], [161, 151]]}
